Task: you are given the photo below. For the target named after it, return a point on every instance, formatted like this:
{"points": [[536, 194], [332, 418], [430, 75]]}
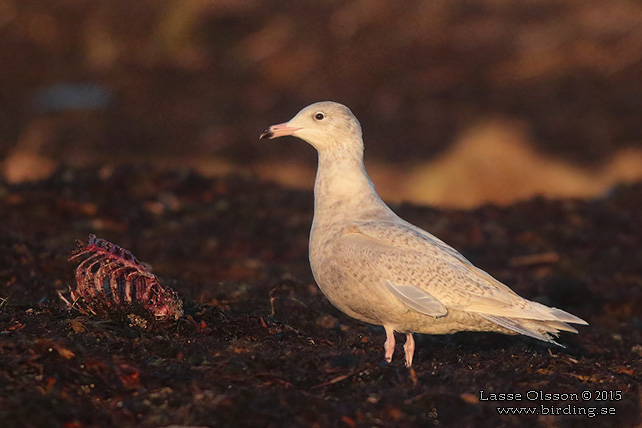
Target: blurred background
{"points": [[461, 102]]}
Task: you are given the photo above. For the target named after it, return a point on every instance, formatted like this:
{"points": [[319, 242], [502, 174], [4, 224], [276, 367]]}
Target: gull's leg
{"points": [[389, 345], [409, 348]]}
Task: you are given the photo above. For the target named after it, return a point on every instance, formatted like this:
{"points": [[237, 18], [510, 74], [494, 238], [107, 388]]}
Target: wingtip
{"points": [[554, 342], [561, 326], [567, 317]]}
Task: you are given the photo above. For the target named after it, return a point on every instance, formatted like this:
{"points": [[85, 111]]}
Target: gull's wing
{"points": [[429, 276], [417, 298]]}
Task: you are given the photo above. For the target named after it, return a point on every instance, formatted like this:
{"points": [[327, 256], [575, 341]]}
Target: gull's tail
{"points": [[545, 330]]}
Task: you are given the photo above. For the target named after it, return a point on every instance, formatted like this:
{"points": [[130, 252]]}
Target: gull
{"points": [[378, 268]]}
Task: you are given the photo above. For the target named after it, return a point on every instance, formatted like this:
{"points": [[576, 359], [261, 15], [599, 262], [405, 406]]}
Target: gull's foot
{"points": [[409, 349], [389, 345]]}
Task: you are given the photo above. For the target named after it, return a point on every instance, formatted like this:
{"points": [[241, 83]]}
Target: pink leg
{"points": [[389, 345], [409, 348]]}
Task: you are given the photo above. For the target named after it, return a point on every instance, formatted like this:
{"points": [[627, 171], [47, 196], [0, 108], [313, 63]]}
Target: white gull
{"points": [[378, 268]]}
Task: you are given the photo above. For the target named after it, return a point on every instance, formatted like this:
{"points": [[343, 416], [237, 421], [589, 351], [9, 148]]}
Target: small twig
{"points": [[272, 299], [337, 379], [332, 381], [64, 299], [535, 259]]}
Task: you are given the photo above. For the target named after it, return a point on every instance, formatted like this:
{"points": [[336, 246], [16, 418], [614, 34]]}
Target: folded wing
{"points": [[431, 277]]}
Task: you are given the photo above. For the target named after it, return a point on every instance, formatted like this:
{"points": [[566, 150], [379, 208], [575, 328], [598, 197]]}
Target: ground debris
{"points": [[229, 362]]}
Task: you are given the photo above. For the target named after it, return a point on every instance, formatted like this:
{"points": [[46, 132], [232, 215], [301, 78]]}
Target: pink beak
{"points": [[280, 130]]}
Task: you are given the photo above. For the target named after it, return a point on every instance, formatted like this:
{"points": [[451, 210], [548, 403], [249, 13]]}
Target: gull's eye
{"points": [[319, 116]]}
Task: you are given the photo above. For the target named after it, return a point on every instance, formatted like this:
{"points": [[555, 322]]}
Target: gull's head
{"points": [[325, 125]]}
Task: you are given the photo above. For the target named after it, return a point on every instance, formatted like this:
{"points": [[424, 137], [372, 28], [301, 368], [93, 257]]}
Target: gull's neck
{"points": [[343, 190]]}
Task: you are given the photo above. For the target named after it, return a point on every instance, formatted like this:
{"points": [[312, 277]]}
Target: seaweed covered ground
{"points": [[260, 346]]}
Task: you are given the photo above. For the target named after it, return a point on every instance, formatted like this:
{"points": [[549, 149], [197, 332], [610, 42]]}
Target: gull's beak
{"points": [[280, 130]]}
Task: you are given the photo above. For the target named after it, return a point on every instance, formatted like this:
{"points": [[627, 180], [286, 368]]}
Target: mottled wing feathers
{"points": [[436, 274]]}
